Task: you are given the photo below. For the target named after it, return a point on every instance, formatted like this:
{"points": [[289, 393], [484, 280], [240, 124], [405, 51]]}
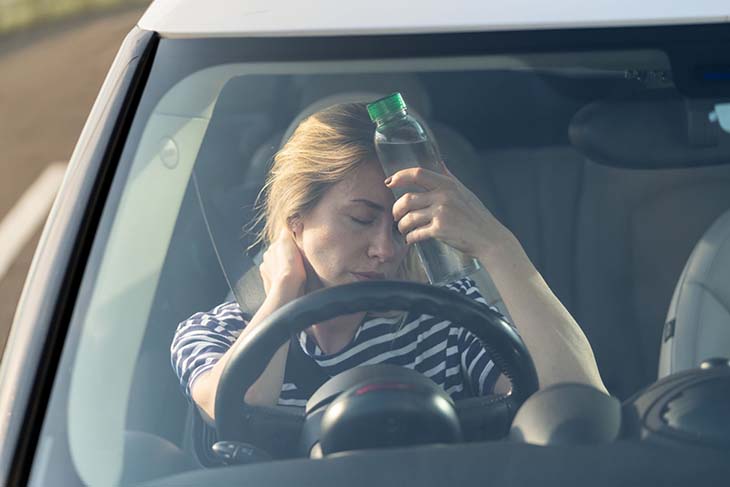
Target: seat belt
{"points": [[302, 370]]}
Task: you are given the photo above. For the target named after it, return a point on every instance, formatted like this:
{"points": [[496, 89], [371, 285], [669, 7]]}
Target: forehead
{"points": [[365, 182]]}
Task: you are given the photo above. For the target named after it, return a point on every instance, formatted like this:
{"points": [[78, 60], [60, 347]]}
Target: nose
{"points": [[384, 245]]}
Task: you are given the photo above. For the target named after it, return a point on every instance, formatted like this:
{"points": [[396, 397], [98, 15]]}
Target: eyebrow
{"points": [[369, 203]]}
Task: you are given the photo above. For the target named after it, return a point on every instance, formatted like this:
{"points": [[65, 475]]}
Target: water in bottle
{"points": [[402, 142]]}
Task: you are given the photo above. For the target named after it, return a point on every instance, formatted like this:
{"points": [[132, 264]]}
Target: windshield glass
{"points": [[587, 169]]}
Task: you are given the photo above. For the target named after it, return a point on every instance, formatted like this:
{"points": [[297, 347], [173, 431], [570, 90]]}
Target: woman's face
{"points": [[350, 235]]}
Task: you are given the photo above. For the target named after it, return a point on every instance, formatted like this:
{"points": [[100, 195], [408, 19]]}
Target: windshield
{"points": [[592, 162]]}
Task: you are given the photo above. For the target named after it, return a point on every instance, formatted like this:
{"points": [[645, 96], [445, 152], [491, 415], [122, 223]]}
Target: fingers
{"points": [[421, 233], [421, 216], [421, 225], [413, 220], [419, 176], [283, 235], [411, 202], [415, 210], [283, 262]]}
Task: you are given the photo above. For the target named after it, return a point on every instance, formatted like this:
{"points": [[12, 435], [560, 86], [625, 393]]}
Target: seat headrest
{"points": [[346, 97], [322, 103], [651, 130], [415, 94]]}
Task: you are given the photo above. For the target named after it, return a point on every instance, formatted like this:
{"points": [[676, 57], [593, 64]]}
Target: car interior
{"points": [[617, 186]]}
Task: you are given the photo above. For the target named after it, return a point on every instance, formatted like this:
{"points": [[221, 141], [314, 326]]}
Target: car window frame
{"points": [[98, 157]]}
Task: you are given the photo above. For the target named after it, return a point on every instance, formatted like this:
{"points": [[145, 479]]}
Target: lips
{"points": [[369, 276]]}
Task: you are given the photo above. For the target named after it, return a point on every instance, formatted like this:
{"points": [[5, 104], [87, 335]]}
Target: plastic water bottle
{"points": [[401, 142]]}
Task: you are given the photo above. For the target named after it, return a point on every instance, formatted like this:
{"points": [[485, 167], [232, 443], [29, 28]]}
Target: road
{"points": [[48, 81]]}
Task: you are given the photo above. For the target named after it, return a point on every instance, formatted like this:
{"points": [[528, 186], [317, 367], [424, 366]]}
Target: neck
{"points": [[334, 335]]}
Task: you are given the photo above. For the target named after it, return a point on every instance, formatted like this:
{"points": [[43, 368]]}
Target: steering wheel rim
{"points": [[252, 353]]}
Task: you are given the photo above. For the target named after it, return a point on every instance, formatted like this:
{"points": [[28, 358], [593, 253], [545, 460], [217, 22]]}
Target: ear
{"points": [[294, 223]]}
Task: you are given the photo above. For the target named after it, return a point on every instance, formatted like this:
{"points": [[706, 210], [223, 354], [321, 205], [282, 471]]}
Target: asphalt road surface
{"points": [[49, 78]]}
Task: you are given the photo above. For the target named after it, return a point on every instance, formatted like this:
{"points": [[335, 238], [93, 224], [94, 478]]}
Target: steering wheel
{"points": [[275, 427]]}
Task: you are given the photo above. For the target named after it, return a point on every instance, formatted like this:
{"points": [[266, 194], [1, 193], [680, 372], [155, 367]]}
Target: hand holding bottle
{"points": [[445, 210], [402, 142]]}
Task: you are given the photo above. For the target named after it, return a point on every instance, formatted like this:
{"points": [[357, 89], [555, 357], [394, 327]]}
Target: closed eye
{"points": [[362, 222]]}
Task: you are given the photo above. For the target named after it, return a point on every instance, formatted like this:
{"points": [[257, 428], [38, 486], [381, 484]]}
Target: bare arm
{"points": [[284, 277], [265, 391], [558, 346], [448, 211]]}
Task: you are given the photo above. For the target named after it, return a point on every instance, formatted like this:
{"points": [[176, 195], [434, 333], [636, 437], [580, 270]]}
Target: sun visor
{"points": [[651, 130]]}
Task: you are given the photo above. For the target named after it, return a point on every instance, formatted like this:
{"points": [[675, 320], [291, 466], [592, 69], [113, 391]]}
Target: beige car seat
{"points": [[698, 322]]}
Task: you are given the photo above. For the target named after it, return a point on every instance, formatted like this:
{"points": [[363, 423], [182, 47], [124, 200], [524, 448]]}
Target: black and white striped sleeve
{"points": [[478, 368], [202, 339]]}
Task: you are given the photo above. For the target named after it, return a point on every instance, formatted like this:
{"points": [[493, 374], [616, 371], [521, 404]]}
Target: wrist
{"points": [[285, 290], [501, 248]]}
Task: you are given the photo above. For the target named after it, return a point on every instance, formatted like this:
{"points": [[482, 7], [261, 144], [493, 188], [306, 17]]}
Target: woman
{"points": [[329, 219]]}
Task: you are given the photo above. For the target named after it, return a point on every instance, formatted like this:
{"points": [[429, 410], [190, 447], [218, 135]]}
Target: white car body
{"points": [[28, 370], [262, 18]]}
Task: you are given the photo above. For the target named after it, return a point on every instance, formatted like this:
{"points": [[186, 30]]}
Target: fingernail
{"points": [[388, 180]]}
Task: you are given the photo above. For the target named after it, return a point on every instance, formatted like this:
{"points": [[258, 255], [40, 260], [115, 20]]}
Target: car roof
{"points": [[272, 18]]}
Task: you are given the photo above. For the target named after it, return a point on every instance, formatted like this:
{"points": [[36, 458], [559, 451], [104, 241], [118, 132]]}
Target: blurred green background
{"points": [[19, 14]]}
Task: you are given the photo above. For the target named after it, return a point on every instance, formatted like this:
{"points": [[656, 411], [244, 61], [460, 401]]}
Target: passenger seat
{"points": [[610, 221], [656, 175], [698, 323]]}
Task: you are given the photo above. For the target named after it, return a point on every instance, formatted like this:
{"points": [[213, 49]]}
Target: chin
{"points": [[357, 278]]}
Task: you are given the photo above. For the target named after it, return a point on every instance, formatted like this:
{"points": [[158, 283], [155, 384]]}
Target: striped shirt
{"points": [[439, 349]]}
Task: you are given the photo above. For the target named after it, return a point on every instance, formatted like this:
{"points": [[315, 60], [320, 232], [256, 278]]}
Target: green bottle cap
{"points": [[386, 106]]}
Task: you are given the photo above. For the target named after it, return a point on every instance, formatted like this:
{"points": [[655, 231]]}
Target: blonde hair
{"points": [[323, 150]]}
